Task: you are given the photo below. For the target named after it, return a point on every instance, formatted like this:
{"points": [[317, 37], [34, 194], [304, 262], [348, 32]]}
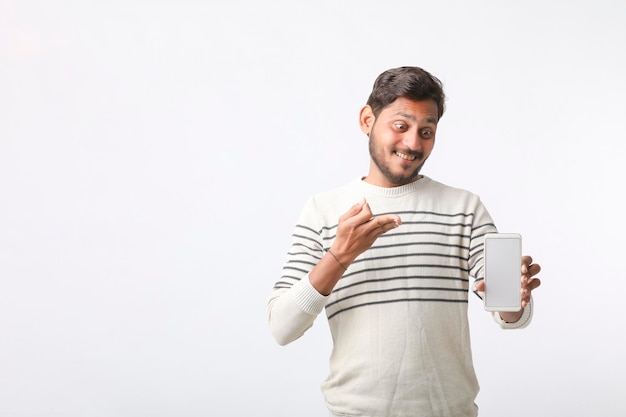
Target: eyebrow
{"points": [[411, 117]]}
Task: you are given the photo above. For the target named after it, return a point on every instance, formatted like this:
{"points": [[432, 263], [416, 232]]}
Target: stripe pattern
{"points": [[428, 259]]}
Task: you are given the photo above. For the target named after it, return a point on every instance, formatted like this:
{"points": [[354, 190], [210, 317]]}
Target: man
{"points": [[393, 270]]}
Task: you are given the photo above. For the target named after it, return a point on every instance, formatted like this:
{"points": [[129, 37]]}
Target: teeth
{"points": [[405, 156]]}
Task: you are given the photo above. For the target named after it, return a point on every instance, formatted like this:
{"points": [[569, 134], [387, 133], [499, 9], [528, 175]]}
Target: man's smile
{"points": [[406, 157]]}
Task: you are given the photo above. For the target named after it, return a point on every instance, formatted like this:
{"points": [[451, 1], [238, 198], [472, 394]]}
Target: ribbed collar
{"points": [[394, 191]]}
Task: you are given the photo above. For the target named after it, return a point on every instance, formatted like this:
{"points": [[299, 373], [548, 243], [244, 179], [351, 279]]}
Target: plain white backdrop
{"points": [[155, 155]]}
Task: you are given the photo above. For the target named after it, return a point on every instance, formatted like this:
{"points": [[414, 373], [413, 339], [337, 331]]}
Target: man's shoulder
{"points": [[325, 207], [451, 195], [337, 199], [440, 186], [350, 187]]}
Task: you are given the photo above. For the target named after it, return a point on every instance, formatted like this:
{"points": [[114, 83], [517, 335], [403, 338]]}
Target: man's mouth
{"points": [[405, 156]]}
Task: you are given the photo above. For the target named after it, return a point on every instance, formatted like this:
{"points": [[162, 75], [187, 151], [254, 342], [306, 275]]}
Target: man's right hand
{"points": [[358, 229], [356, 232]]}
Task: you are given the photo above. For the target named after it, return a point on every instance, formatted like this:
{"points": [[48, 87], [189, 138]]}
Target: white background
{"points": [[155, 155]]}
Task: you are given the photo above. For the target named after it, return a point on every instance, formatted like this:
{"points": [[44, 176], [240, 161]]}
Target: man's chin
{"points": [[403, 179]]}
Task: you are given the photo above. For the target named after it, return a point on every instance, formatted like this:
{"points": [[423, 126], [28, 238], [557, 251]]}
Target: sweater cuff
{"points": [[523, 321], [307, 297]]}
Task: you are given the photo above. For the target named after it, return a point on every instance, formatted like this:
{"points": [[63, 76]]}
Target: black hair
{"points": [[413, 83]]}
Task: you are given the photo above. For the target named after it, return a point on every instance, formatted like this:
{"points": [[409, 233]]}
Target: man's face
{"points": [[401, 138]]}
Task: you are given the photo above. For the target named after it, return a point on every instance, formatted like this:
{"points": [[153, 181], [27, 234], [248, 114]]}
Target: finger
{"points": [[527, 290], [480, 285], [526, 300], [389, 221], [533, 283], [383, 224], [354, 210], [525, 296], [526, 261], [365, 214], [375, 227], [533, 269]]}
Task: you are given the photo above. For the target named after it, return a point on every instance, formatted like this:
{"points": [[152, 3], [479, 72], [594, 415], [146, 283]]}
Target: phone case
{"points": [[503, 275]]}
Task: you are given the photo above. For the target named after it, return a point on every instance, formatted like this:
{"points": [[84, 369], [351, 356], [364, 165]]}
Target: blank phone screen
{"points": [[503, 256]]}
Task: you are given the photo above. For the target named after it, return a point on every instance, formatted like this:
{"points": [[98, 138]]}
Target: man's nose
{"points": [[412, 140]]}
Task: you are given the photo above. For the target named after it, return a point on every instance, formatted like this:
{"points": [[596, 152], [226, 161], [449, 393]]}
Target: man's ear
{"points": [[366, 119]]}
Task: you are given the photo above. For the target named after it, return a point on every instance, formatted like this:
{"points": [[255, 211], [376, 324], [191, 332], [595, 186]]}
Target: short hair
{"points": [[413, 83]]}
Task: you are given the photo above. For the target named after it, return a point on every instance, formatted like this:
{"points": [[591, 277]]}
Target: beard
{"points": [[379, 159]]}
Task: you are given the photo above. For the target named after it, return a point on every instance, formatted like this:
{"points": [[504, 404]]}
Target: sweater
{"points": [[398, 315]]}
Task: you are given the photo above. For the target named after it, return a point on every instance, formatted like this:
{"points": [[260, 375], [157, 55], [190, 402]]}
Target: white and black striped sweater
{"points": [[398, 316]]}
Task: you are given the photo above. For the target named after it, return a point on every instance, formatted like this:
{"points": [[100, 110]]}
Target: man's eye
{"points": [[427, 132], [400, 126]]}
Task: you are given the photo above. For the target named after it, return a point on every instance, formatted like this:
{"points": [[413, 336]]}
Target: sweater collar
{"points": [[394, 191]]}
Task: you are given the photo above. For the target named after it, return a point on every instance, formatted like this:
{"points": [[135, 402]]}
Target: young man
{"points": [[393, 271]]}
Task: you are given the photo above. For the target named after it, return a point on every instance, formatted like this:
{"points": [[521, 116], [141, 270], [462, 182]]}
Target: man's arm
{"points": [[293, 309], [291, 312]]}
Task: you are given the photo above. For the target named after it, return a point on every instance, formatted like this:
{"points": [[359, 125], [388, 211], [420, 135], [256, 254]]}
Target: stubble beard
{"points": [[396, 179]]}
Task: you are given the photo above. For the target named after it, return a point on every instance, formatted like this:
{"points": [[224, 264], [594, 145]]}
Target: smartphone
{"points": [[503, 272]]}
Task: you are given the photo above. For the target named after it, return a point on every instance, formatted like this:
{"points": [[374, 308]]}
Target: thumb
{"points": [[355, 209]]}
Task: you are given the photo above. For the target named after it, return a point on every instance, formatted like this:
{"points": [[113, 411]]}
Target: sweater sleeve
{"points": [[519, 324], [294, 303], [292, 312]]}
